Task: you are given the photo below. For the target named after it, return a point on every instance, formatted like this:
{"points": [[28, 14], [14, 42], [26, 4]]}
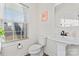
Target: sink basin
{"points": [[67, 40]]}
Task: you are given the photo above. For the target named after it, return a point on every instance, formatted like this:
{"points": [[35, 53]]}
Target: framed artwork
{"points": [[44, 15]]}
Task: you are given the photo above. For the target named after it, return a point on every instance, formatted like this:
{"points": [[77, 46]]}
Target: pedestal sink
{"points": [[62, 42]]}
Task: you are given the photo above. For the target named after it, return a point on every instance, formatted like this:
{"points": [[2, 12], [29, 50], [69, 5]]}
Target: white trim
{"points": [[57, 4]]}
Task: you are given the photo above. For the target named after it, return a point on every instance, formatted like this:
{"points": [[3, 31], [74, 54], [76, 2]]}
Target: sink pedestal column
{"points": [[61, 49]]}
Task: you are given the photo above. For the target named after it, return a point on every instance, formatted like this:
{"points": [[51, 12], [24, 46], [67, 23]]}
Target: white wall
{"points": [[47, 28], [1, 11], [1, 18], [11, 48]]}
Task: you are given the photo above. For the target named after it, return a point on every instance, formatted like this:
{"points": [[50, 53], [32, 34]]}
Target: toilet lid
{"points": [[35, 47]]}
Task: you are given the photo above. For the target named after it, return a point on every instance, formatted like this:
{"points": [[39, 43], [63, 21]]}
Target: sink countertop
{"points": [[67, 40]]}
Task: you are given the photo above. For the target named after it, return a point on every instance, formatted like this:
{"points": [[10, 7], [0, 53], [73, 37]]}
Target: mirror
{"points": [[67, 15]]}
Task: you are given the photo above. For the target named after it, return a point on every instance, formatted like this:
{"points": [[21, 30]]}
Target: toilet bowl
{"points": [[37, 49]]}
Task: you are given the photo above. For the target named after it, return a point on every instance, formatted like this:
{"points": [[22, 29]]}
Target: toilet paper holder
{"points": [[19, 46]]}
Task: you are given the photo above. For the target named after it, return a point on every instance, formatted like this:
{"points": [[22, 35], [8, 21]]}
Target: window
{"points": [[14, 24]]}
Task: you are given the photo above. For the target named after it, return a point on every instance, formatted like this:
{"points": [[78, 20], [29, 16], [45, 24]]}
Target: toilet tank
{"points": [[42, 40]]}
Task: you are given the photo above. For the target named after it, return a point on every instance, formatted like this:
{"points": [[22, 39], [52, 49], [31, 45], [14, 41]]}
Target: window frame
{"points": [[25, 31]]}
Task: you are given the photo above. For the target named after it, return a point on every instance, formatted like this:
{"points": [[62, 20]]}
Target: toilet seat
{"points": [[35, 52], [35, 48]]}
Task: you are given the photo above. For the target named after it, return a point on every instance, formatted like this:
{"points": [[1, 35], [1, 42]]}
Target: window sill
{"points": [[16, 40], [12, 43]]}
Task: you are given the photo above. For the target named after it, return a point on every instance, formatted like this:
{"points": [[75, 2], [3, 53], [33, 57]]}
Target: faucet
{"points": [[63, 33]]}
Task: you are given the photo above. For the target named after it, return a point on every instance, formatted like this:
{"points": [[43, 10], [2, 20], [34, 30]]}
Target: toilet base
{"points": [[38, 54]]}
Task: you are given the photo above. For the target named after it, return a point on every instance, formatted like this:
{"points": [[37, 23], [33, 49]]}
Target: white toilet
{"points": [[37, 49]]}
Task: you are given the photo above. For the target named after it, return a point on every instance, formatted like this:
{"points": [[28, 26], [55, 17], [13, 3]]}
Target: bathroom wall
{"points": [[47, 28], [11, 48], [1, 11], [1, 18]]}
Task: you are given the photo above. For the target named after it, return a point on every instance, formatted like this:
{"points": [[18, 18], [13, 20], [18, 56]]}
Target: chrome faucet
{"points": [[63, 33]]}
